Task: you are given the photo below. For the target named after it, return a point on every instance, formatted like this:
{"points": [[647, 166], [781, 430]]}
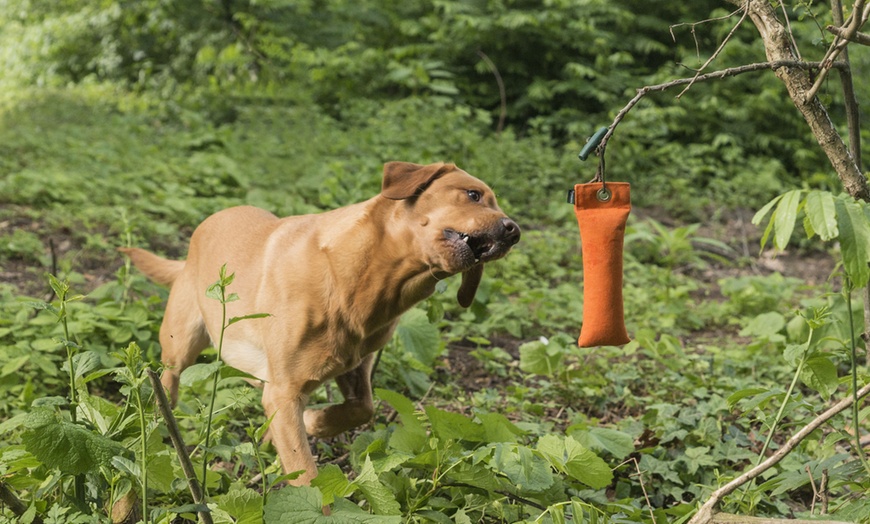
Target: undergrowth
{"points": [[490, 414]]}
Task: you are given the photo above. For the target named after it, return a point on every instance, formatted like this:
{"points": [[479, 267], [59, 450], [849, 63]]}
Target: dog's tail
{"points": [[160, 270]]}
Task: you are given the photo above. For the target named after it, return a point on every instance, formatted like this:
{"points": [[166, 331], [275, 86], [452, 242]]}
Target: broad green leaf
{"points": [[739, 395], [522, 467], [302, 505], [820, 374], [199, 372], [378, 495], [764, 325], [785, 218], [615, 442], [454, 426], [854, 240], [14, 365], [419, 336], [497, 428], [540, 358], [66, 446], [822, 214], [793, 353], [332, 483], [404, 407], [85, 362], [243, 504], [572, 458]]}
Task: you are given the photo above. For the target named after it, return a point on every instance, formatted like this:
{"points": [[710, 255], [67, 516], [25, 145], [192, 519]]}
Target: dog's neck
{"points": [[375, 261]]}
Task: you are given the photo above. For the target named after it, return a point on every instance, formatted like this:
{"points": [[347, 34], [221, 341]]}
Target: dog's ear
{"points": [[404, 180], [468, 287]]}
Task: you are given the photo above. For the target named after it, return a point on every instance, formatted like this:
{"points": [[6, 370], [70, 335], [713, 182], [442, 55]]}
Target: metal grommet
{"points": [[603, 195]]}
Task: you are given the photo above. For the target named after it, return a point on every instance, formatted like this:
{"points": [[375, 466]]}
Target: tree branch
{"points": [[178, 442], [705, 513], [858, 37], [716, 75], [798, 83], [8, 497], [858, 18]]}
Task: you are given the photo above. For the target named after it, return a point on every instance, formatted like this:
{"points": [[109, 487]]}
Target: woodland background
{"points": [[129, 122]]}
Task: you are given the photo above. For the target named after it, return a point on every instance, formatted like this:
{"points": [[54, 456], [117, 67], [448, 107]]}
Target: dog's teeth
{"points": [[464, 238]]}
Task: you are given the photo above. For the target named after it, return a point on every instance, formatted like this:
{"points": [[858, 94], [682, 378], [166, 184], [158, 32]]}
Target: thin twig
{"points": [[705, 513], [178, 442], [501, 91], [745, 9], [642, 486], [724, 73], [815, 490]]}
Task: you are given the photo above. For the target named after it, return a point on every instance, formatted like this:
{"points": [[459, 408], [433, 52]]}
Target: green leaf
{"points": [[761, 214], [822, 214], [302, 505], [615, 442], [404, 407], [199, 372], [332, 483], [66, 446], [854, 240], [764, 325], [252, 316], [540, 358], [820, 374], [243, 504], [379, 496], [454, 426], [793, 353], [572, 458], [497, 428], [785, 218], [419, 337], [525, 469]]}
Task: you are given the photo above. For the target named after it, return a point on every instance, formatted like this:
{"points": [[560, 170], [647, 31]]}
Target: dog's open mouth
{"points": [[471, 249]]}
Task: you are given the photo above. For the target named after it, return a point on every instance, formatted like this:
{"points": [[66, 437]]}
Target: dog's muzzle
{"points": [[483, 246]]}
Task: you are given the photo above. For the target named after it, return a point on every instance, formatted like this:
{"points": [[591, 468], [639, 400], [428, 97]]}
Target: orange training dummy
{"points": [[602, 211]]}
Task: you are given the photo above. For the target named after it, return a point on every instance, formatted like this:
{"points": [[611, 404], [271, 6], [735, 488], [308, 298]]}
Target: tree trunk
{"points": [[797, 82]]}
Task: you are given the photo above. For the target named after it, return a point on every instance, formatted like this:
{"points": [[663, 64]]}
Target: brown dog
{"points": [[334, 285]]}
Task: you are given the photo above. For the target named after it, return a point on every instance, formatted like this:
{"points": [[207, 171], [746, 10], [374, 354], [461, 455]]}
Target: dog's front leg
{"points": [[285, 405], [357, 408]]}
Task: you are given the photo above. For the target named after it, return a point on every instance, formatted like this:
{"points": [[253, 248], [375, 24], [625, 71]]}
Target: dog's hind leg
{"points": [[182, 335], [357, 408]]}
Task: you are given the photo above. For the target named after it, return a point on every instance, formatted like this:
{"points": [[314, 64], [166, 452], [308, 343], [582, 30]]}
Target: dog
{"points": [[333, 284]]}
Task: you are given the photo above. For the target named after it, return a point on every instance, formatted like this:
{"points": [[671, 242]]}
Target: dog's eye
{"points": [[474, 195]]}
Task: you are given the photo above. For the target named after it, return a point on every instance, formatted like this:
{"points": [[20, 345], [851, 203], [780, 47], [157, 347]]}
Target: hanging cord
{"points": [[603, 194]]}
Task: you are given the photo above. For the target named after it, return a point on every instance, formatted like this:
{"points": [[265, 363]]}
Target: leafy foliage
{"points": [[129, 122]]}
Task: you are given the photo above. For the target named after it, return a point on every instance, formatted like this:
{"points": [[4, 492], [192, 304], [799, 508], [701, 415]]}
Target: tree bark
{"points": [[777, 46]]}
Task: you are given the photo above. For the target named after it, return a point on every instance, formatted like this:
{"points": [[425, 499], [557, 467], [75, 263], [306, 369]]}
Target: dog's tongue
{"points": [[467, 289]]}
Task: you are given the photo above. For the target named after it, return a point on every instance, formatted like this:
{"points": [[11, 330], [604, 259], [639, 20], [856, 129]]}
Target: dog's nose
{"points": [[511, 230]]}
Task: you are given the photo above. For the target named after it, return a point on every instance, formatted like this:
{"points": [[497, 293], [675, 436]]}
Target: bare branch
{"points": [[860, 12], [716, 75], [178, 443], [705, 513], [745, 10], [858, 37]]}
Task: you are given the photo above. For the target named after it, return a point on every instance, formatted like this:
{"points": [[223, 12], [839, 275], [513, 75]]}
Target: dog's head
{"points": [[457, 217]]}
